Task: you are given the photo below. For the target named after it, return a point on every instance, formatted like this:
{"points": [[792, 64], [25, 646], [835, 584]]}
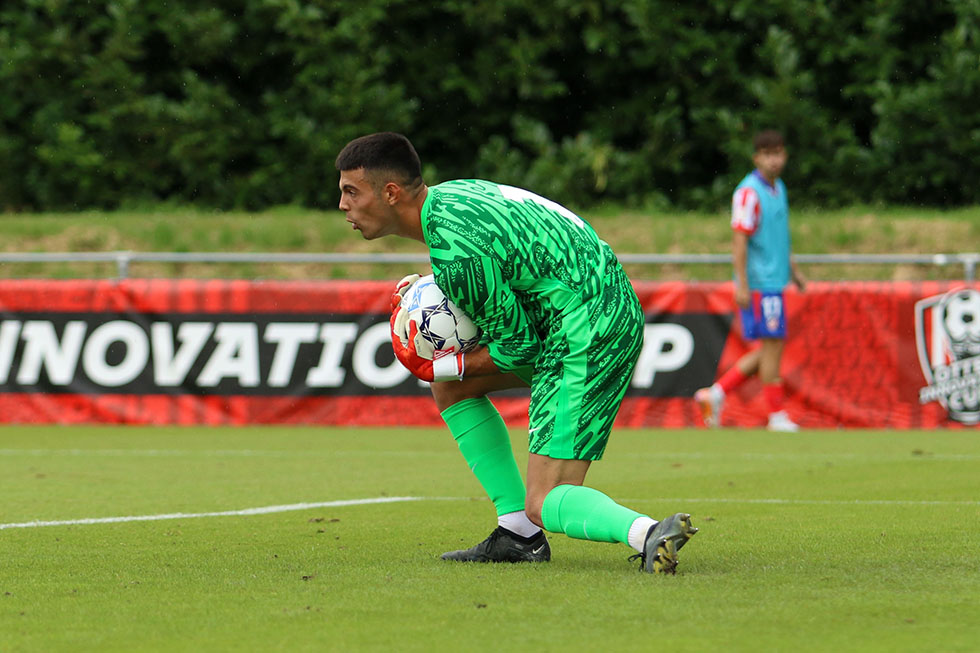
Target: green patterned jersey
{"points": [[513, 261]]}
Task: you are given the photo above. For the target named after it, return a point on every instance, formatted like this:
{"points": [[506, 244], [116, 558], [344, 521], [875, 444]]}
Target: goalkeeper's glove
{"points": [[401, 288], [400, 319], [448, 367]]}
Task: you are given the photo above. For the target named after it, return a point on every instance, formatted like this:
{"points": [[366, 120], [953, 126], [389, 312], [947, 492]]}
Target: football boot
{"points": [[663, 542], [710, 405], [505, 546], [780, 422]]}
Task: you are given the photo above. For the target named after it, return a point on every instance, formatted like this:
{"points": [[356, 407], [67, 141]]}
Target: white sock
{"points": [[517, 522], [638, 532], [717, 394]]}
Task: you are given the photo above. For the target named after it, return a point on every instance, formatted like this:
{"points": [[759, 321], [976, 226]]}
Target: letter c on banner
{"points": [[365, 364]]}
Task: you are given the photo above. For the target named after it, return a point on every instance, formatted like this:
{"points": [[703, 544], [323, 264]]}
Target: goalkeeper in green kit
{"points": [[557, 313]]}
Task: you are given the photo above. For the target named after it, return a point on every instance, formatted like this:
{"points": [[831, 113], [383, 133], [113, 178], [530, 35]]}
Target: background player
{"points": [[557, 312], [763, 266]]}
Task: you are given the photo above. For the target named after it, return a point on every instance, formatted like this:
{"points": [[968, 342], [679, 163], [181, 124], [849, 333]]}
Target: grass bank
{"points": [[860, 230]]}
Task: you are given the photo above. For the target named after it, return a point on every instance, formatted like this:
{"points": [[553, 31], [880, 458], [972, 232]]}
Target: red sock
{"points": [[731, 379], [773, 392]]}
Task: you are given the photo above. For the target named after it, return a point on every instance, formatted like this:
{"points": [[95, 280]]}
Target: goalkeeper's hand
{"points": [[445, 368], [401, 288], [399, 326]]}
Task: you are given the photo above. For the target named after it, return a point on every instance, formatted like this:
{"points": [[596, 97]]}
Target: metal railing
{"points": [[124, 259]]}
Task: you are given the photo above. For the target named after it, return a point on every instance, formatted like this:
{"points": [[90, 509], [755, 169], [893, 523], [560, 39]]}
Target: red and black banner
{"points": [[901, 355]]}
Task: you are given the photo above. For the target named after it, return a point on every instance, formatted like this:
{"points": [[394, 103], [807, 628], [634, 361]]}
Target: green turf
{"points": [[825, 540]]}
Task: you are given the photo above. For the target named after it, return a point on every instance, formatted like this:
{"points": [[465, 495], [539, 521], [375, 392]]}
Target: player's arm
{"points": [[745, 220], [797, 275], [479, 363], [740, 257], [476, 285]]}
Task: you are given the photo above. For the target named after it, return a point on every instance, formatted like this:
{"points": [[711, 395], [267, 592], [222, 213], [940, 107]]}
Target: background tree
{"points": [[244, 103]]}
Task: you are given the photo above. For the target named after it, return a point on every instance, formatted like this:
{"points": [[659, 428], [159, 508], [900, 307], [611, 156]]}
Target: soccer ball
{"points": [[443, 328], [961, 317]]}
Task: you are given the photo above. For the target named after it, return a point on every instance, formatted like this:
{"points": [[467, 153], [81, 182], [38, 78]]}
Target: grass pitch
{"points": [[824, 540]]}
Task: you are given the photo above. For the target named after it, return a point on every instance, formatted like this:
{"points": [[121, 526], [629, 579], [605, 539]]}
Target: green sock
{"points": [[483, 440], [586, 514]]}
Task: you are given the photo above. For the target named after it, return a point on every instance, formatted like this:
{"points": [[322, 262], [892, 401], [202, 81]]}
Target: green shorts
{"points": [[582, 375]]}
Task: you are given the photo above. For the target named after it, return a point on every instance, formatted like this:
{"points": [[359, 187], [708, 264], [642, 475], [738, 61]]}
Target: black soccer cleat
{"points": [[663, 542], [505, 546]]}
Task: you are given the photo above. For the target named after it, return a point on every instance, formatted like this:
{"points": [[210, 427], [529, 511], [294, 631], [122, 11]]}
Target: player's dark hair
{"points": [[385, 154], [768, 139]]}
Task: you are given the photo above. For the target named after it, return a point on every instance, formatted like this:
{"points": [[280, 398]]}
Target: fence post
{"points": [[970, 266], [122, 264]]}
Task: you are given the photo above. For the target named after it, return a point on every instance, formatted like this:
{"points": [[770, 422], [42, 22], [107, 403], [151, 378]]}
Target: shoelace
{"points": [[494, 536], [642, 558]]}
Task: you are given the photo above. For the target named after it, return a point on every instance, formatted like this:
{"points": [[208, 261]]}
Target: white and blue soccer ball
{"points": [[443, 327]]}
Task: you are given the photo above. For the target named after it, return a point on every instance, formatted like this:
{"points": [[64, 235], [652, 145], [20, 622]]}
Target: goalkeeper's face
{"points": [[364, 206]]}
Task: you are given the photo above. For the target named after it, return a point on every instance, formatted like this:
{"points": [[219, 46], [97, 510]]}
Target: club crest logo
{"points": [[772, 312], [947, 338]]}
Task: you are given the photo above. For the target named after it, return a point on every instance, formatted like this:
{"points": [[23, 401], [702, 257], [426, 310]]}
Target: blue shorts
{"points": [[765, 317]]}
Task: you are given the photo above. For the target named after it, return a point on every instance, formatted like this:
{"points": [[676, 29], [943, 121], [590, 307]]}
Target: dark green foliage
{"points": [[245, 103]]}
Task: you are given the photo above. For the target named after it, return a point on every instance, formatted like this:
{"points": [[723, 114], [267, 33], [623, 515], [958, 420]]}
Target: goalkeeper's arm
{"points": [[476, 363], [451, 367], [476, 285]]}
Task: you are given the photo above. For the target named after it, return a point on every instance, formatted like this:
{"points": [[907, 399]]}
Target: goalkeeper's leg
{"points": [[484, 441], [561, 504], [558, 501]]}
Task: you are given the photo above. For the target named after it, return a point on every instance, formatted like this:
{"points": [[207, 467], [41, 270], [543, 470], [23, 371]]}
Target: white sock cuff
{"points": [[638, 531], [517, 522]]}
